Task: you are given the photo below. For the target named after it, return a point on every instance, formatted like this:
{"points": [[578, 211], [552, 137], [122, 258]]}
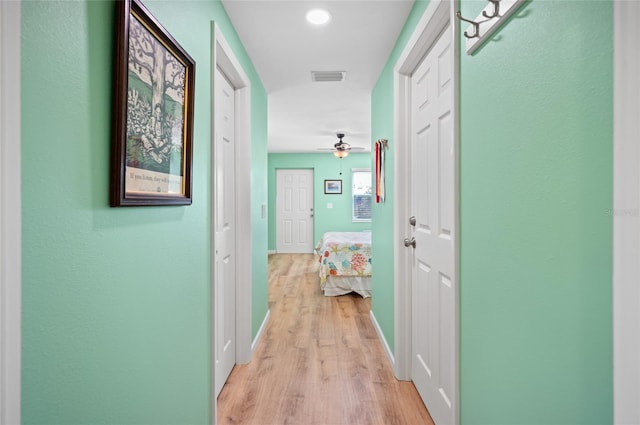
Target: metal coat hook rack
{"points": [[495, 13], [476, 26], [496, 10]]}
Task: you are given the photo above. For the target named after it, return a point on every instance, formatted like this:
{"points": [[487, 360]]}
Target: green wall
{"points": [[324, 166], [382, 214], [116, 301], [536, 253], [535, 249]]}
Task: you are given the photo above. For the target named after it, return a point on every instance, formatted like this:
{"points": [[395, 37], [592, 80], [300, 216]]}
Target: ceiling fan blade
{"points": [[353, 148]]}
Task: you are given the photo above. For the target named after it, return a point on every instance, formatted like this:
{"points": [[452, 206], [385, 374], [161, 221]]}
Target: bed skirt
{"points": [[340, 285]]}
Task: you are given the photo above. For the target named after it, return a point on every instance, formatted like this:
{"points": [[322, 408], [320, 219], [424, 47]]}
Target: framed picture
{"points": [[151, 156], [333, 187]]}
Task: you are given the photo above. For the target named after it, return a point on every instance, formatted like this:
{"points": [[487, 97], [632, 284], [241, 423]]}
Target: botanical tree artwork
{"points": [[155, 104]]}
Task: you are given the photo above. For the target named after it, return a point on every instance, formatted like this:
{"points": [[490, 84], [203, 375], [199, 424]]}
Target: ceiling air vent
{"points": [[327, 76]]}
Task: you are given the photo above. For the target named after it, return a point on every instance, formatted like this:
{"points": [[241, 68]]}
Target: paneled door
{"points": [[294, 211], [433, 191], [224, 224]]}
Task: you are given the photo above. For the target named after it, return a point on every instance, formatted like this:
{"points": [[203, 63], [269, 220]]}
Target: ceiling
{"points": [[284, 48]]}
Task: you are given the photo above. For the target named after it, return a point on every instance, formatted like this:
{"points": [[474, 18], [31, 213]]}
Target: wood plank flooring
{"points": [[319, 362]]}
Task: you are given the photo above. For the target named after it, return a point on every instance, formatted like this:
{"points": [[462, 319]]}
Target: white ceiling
{"points": [[285, 48]]}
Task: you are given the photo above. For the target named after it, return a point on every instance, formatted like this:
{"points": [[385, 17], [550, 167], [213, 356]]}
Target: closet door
{"points": [[225, 229], [433, 194]]}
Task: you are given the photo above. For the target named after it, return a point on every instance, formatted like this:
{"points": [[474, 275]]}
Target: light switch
{"points": [[263, 213], [329, 204]]}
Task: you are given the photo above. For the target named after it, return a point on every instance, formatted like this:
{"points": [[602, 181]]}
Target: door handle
{"points": [[410, 242]]}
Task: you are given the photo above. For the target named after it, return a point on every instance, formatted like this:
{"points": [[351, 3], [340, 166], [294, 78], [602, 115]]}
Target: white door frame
{"points": [[626, 213], [224, 58], [10, 214], [435, 18]]}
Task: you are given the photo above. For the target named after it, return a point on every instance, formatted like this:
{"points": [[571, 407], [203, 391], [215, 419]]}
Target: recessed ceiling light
{"points": [[318, 16]]}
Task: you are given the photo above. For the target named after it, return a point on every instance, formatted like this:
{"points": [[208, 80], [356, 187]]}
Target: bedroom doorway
{"points": [[426, 228], [294, 211]]}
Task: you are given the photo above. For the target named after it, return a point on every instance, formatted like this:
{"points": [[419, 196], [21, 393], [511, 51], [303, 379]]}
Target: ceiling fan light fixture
{"points": [[318, 16], [341, 153]]}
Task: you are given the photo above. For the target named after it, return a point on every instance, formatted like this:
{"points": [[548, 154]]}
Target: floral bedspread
{"points": [[344, 254]]}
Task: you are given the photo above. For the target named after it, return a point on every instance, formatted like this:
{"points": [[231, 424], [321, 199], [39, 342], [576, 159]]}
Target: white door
{"points": [[433, 191], [294, 211], [224, 225]]}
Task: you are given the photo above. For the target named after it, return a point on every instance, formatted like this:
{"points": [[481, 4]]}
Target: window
{"points": [[361, 194]]}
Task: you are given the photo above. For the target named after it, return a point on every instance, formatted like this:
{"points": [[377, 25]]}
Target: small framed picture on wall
{"points": [[333, 187]]}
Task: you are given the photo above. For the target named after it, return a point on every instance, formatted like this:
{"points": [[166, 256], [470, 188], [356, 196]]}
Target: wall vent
{"points": [[327, 76]]}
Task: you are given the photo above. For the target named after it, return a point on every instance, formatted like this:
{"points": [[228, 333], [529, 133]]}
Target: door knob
{"points": [[410, 242], [412, 220]]}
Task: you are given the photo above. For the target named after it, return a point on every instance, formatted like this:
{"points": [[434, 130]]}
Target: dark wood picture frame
{"points": [[152, 149], [333, 187]]}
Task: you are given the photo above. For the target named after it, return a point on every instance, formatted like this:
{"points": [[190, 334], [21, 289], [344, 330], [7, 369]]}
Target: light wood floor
{"points": [[319, 362]]}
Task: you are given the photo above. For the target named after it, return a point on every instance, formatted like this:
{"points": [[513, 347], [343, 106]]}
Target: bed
{"points": [[345, 263]]}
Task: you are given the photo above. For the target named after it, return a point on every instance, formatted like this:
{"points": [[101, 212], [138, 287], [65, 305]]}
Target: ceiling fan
{"points": [[341, 148]]}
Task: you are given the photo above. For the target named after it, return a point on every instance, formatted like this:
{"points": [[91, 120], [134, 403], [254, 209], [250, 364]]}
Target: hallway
{"points": [[319, 361]]}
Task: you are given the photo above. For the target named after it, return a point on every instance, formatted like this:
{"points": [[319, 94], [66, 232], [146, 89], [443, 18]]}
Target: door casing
{"points": [[435, 18], [10, 214], [626, 213]]}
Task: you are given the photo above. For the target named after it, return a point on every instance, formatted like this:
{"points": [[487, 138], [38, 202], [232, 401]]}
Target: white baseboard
{"points": [[271, 251], [263, 326], [385, 345]]}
